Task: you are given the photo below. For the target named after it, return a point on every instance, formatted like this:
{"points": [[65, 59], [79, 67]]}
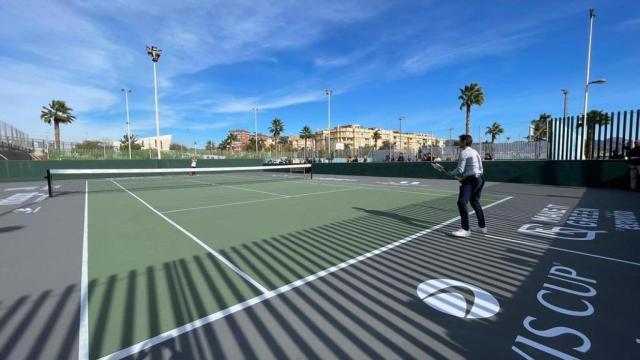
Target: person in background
{"points": [[616, 155], [194, 164], [488, 157], [364, 159], [401, 157], [393, 159], [634, 165], [471, 175]]}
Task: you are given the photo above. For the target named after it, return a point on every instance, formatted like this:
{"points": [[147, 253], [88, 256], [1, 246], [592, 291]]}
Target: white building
{"points": [[153, 142]]}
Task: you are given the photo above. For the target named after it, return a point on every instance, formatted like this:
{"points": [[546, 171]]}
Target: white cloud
{"points": [[85, 51]]}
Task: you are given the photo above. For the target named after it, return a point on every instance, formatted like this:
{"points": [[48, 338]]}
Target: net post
{"points": [[49, 183]]}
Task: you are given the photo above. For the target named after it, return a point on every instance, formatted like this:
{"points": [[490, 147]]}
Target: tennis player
{"points": [[470, 173], [194, 164]]}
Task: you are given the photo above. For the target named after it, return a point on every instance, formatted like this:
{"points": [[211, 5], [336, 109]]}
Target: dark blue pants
{"points": [[470, 191]]}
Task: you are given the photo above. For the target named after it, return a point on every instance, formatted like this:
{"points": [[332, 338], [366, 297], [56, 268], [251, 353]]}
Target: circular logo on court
{"points": [[457, 298]]}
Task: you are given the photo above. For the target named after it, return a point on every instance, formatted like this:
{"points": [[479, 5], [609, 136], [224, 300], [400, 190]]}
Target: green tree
{"points": [[540, 126], [283, 141], [594, 118], [472, 94], [57, 112], [227, 143], [276, 129], [376, 136], [251, 145], [177, 147], [210, 146], [386, 145], [124, 142], [306, 134], [89, 145], [494, 131]]}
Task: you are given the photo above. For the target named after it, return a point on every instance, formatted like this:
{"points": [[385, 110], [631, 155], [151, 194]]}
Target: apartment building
{"points": [[355, 136]]}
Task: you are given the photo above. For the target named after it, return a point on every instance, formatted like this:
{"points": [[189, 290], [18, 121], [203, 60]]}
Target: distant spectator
{"points": [[387, 158], [487, 156], [634, 165], [349, 159], [364, 159], [355, 159], [429, 156], [616, 155], [401, 157], [393, 158]]}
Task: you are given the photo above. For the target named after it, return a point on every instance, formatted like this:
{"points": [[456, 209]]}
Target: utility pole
{"points": [[400, 121], [255, 123]]}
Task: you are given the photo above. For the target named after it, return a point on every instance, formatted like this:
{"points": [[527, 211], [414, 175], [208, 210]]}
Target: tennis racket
{"points": [[441, 169]]}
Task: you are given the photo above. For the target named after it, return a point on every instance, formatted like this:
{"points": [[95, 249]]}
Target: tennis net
{"points": [[61, 181]]}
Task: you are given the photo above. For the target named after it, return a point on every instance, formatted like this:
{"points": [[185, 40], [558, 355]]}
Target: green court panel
{"points": [[147, 277]]}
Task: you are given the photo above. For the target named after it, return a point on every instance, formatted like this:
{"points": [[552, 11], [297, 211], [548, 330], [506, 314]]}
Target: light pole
{"points": [[155, 53], [587, 82], [400, 121], [565, 93], [126, 106], [329, 93], [255, 124]]}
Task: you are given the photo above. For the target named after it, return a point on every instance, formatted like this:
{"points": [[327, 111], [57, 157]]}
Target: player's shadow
{"points": [[395, 216], [6, 229]]}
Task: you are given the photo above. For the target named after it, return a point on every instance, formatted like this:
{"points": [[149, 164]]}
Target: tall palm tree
{"points": [[57, 113], [494, 130], [306, 134], [376, 136], [594, 117], [472, 94], [276, 129], [210, 146]]}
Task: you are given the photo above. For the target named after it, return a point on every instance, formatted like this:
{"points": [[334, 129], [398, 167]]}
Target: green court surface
{"points": [[160, 257]]}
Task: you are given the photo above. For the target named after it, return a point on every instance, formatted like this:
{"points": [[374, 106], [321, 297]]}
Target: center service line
{"points": [[194, 238]]}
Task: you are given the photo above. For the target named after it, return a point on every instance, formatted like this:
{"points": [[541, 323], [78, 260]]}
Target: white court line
{"points": [[255, 201], [565, 250], [267, 295], [83, 335], [194, 238], [238, 188]]}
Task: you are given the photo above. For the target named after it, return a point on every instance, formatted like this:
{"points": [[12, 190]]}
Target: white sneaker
{"points": [[461, 233], [480, 230]]}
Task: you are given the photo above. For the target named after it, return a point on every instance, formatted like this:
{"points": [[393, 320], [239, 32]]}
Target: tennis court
{"points": [[225, 242], [278, 265]]}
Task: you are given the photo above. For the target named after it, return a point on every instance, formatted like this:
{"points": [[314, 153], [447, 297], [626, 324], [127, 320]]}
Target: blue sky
{"points": [[382, 59]]}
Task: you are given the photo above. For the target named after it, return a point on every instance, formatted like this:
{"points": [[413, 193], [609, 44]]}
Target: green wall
{"points": [[28, 170], [593, 173]]}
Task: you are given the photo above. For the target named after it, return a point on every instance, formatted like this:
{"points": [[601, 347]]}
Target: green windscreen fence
{"points": [[592, 173]]}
